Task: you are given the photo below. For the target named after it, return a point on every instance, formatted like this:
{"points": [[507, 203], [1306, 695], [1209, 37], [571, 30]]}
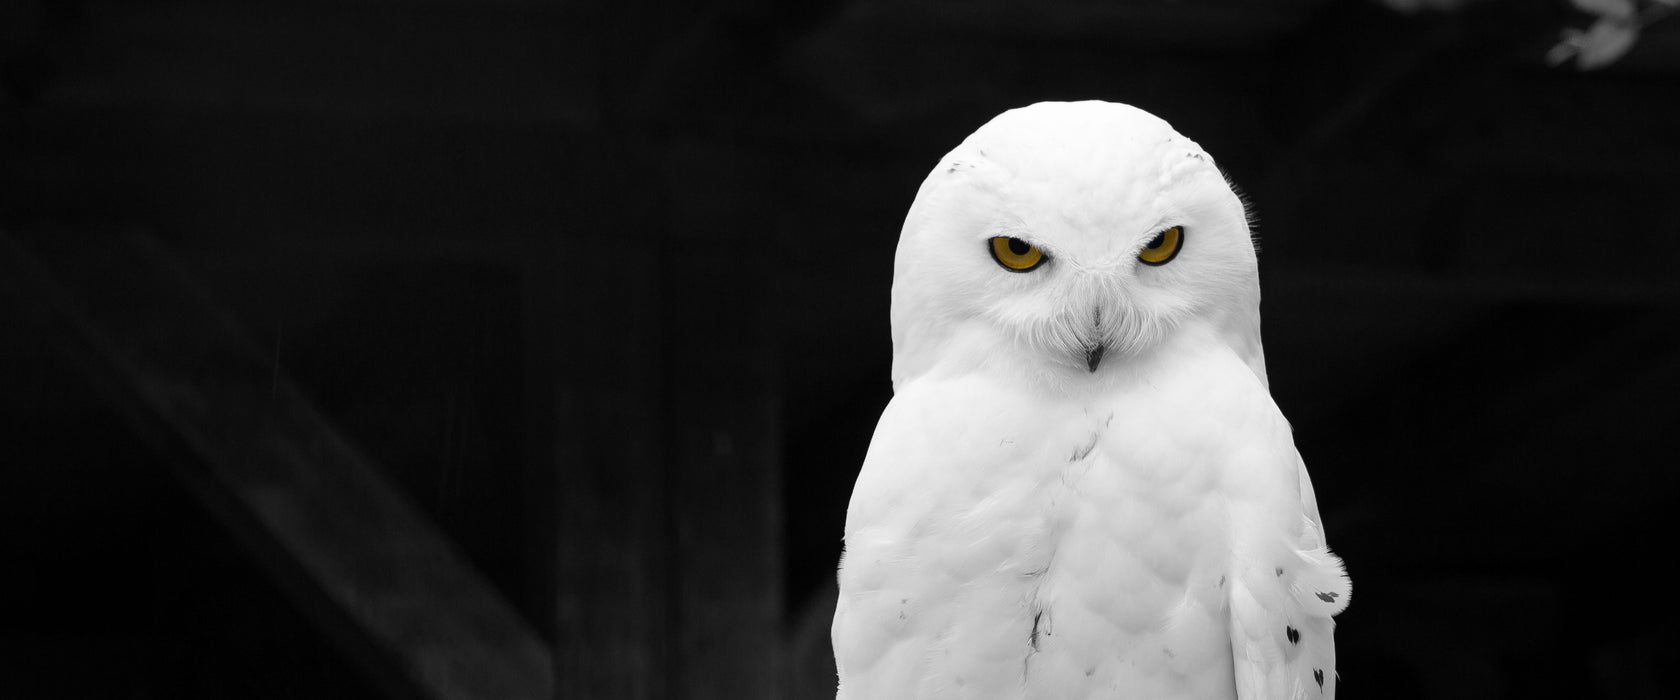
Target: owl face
{"points": [[1065, 237]]}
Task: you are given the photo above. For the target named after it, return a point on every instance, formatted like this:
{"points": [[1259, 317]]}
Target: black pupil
{"points": [[1159, 240], [1018, 246]]}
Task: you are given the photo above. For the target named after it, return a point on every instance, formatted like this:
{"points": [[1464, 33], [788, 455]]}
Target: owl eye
{"points": [[1016, 255], [1163, 247]]}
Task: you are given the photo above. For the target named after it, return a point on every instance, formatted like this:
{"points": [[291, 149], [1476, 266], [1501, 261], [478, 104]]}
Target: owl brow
{"points": [[1011, 229], [1161, 224]]}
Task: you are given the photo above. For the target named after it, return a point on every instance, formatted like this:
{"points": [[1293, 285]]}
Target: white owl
{"points": [[1082, 487]]}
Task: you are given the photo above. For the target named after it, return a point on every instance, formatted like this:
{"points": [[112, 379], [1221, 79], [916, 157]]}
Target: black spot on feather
{"points": [[1294, 634], [1080, 453], [1279, 571], [1318, 675], [1326, 597]]}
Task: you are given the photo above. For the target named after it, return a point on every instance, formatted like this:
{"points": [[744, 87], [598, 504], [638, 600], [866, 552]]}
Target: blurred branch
{"points": [[345, 545], [1611, 35]]}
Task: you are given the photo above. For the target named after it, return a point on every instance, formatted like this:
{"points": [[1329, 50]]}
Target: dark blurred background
{"points": [[509, 348]]}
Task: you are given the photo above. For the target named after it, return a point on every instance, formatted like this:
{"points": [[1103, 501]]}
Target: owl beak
{"points": [[1094, 351]]}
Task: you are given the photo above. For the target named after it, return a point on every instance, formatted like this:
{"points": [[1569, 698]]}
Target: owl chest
{"points": [[1061, 546], [1095, 563], [1115, 496]]}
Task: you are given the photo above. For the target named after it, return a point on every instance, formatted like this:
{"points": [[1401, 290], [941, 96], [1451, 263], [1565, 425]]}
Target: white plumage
{"points": [[1082, 487]]}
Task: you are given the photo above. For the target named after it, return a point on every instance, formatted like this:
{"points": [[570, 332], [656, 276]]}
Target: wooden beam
{"points": [[594, 326], [724, 432], [808, 671], [348, 547]]}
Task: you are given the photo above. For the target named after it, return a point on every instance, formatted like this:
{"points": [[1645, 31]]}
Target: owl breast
{"points": [[1129, 597], [1033, 546]]}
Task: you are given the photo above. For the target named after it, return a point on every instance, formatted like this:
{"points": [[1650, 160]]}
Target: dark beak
{"points": [[1093, 357]]}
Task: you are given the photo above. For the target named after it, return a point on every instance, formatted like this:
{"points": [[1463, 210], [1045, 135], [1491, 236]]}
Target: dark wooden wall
{"points": [[600, 291]]}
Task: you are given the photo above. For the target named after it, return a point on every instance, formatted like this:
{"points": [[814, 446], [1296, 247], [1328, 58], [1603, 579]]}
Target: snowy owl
{"points": [[1082, 487]]}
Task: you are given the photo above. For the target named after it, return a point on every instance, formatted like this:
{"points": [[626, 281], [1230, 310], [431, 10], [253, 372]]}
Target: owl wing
{"points": [[910, 567], [1281, 605], [874, 641]]}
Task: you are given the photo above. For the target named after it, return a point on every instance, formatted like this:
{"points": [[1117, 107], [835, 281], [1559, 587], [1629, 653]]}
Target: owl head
{"points": [[1062, 241]]}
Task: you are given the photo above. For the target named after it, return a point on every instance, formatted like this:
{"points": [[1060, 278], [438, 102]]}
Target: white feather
{"points": [[1027, 527]]}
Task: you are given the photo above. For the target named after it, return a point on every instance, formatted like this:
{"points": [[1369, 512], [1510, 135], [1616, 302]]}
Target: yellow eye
{"points": [[1163, 247], [1016, 255]]}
